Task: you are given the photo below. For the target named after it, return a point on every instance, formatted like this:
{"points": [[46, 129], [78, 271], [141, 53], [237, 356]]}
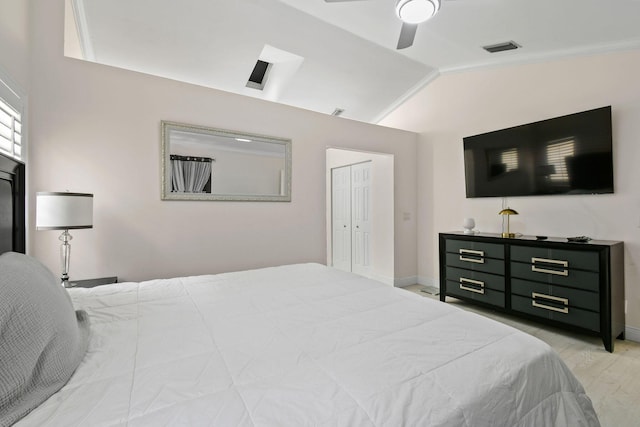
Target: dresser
{"points": [[576, 286]]}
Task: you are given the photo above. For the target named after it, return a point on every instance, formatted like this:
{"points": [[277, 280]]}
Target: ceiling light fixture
{"points": [[416, 11]]}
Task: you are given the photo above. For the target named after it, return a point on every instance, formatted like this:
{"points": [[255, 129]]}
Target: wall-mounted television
{"points": [[564, 155]]}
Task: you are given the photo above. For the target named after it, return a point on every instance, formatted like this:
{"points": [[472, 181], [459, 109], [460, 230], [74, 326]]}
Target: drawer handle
{"points": [[535, 268], [473, 282], [471, 252], [564, 301]]}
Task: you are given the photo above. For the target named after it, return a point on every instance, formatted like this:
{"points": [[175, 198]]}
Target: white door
{"points": [[341, 217], [351, 218], [361, 218]]}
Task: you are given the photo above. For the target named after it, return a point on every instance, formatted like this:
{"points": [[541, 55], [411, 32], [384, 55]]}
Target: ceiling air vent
{"points": [[258, 77], [510, 45]]}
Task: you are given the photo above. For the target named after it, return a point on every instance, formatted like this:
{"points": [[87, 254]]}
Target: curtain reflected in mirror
{"points": [[190, 174], [202, 163]]}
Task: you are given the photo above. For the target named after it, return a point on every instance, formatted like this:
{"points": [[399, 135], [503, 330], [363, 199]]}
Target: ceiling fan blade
{"points": [[407, 34]]}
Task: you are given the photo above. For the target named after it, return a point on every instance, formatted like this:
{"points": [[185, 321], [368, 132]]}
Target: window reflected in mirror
{"points": [[201, 163]]}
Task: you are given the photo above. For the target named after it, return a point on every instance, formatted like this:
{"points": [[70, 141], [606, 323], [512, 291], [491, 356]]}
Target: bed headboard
{"points": [[12, 205]]}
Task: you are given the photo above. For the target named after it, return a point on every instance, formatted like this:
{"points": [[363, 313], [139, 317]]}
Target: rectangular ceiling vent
{"points": [[510, 45], [258, 77]]}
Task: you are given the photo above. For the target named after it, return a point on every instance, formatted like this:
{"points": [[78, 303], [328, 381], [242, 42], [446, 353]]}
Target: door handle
{"points": [[542, 297], [479, 283], [563, 272], [472, 253]]}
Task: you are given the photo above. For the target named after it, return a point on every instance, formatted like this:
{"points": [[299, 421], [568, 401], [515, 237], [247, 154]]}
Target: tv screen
{"points": [[565, 155]]}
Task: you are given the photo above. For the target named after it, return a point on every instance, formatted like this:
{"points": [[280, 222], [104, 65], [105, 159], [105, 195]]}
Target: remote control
{"points": [[579, 239]]}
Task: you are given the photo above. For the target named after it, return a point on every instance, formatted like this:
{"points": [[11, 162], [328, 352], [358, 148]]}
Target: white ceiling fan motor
{"points": [[416, 11]]}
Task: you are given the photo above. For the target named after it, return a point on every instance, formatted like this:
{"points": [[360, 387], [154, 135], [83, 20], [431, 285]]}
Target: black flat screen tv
{"points": [[565, 155]]}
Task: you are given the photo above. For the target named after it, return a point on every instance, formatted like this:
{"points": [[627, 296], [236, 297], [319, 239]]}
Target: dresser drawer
{"points": [[475, 278], [544, 309], [475, 292], [573, 297], [470, 249], [556, 260], [587, 280], [487, 265]]}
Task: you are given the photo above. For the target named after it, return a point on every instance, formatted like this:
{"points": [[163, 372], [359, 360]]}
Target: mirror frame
{"points": [[166, 194]]}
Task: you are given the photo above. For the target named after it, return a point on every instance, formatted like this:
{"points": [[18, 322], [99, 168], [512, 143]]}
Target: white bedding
{"points": [[304, 345]]}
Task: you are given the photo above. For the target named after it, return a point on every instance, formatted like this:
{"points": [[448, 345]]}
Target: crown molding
{"points": [[82, 27], [524, 58], [407, 95]]}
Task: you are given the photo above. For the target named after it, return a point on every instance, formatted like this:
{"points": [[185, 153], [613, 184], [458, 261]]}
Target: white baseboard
{"points": [[398, 282], [428, 281], [401, 282], [384, 279], [631, 333]]}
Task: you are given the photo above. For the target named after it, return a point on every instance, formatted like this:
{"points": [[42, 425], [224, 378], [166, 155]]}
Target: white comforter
{"points": [[304, 345]]}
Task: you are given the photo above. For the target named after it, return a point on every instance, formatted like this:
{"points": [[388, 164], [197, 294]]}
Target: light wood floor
{"points": [[612, 380]]}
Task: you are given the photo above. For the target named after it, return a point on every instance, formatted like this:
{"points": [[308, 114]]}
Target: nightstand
{"points": [[90, 283]]}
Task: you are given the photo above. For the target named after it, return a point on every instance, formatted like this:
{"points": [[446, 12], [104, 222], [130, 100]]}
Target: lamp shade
{"points": [[507, 211], [63, 211]]}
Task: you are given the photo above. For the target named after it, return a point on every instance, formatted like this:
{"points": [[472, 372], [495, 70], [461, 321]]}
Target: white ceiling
{"points": [[338, 55]]}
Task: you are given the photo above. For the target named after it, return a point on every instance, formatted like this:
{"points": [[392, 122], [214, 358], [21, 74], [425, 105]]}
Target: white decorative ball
{"points": [[468, 225]]}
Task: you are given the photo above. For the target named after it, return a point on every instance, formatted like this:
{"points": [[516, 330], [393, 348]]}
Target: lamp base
{"points": [[65, 254], [509, 235]]}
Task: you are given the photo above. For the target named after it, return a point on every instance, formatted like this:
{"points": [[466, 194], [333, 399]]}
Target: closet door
{"points": [[361, 218], [341, 217]]}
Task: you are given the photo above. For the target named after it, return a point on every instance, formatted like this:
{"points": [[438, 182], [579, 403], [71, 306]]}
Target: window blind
{"points": [[10, 131], [557, 154], [509, 158]]}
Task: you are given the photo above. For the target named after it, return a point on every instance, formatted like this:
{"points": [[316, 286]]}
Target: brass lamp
{"points": [[508, 212]]}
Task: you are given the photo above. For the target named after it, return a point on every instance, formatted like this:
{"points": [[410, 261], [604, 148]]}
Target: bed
{"points": [[12, 205], [292, 345]]}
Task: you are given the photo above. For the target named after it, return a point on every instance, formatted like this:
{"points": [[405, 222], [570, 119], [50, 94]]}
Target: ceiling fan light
{"points": [[416, 11]]}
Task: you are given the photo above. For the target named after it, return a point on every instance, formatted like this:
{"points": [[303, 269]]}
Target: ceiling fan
{"points": [[411, 13]]}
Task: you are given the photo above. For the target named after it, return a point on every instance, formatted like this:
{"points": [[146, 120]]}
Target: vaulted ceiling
{"points": [[342, 55]]}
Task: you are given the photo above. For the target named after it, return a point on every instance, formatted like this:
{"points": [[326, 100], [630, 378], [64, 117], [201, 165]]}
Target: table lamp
{"points": [[508, 212], [64, 211]]}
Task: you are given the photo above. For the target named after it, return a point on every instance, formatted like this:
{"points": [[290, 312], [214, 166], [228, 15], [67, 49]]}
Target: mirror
{"points": [[201, 163]]}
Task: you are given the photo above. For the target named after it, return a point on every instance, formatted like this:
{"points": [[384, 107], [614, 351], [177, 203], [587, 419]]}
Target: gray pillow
{"points": [[43, 340]]}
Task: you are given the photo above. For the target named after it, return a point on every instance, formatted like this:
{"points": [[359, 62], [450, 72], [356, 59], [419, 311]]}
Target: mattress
{"points": [[304, 345]]}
